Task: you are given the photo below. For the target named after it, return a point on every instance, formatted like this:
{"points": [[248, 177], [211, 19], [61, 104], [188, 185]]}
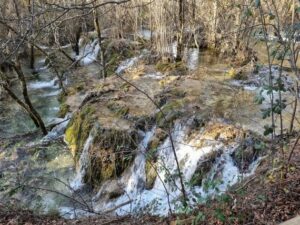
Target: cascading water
{"points": [[137, 173], [126, 64], [84, 161], [134, 180], [167, 186], [89, 53]]}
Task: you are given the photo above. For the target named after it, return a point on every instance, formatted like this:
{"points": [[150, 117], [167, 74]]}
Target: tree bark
{"points": [[36, 115], [180, 35], [31, 46], [98, 30], [21, 103]]}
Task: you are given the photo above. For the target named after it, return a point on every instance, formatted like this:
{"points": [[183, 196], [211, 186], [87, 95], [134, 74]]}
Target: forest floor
{"points": [[270, 196]]}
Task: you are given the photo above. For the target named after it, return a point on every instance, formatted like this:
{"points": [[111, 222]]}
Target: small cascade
{"points": [[89, 53], [126, 64], [59, 130], [78, 181], [138, 175], [190, 154], [43, 84], [192, 58]]}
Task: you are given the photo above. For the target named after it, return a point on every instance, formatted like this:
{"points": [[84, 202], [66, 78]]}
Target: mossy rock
{"points": [[111, 153], [250, 149], [125, 87], [75, 89], [151, 174], [204, 168], [61, 97], [169, 113], [78, 129], [143, 123], [120, 109], [116, 51], [166, 66], [237, 74], [63, 110], [157, 140], [178, 92]]}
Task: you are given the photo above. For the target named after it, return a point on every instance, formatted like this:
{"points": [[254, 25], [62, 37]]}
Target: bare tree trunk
{"points": [[215, 23], [98, 30], [295, 108], [265, 32], [180, 35], [31, 11], [77, 38], [33, 112]]}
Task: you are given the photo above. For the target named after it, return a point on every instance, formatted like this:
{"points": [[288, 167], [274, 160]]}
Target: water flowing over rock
{"points": [[89, 53], [84, 160], [214, 144], [43, 84], [126, 64]]}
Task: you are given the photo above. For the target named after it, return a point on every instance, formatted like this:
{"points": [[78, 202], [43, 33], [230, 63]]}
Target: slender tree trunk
{"points": [[21, 103], [41, 125], [180, 35], [215, 23], [31, 46], [98, 30], [295, 108], [265, 32], [32, 58], [77, 38]]}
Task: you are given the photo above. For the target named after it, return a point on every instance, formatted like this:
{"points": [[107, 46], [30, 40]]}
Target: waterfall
{"points": [[58, 130], [84, 161], [190, 155], [134, 180], [126, 64], [89, 53], [138, 175]]}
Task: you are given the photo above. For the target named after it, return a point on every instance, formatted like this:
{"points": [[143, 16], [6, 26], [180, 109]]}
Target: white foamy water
{"points": [[84, 161], [156, 76], [58, 130], [43, 84], [192, 58], [126, 64], [89, 53], [167, 185]]}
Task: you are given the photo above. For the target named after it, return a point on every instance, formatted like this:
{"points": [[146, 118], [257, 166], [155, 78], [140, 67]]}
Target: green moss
{"points": [[163, 66], [116, 52], [171, 112], [153, 145], [63, 110], [119, 109], [79, 128], [150, 174], [178, 93], [201, 172], [236, 75], [125, 87], [113, 63], [62, 97], [111, 153]]}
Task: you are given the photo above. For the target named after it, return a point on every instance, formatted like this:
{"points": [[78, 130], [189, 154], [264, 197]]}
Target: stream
{"points": [[42, 87], [48, 163]]}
